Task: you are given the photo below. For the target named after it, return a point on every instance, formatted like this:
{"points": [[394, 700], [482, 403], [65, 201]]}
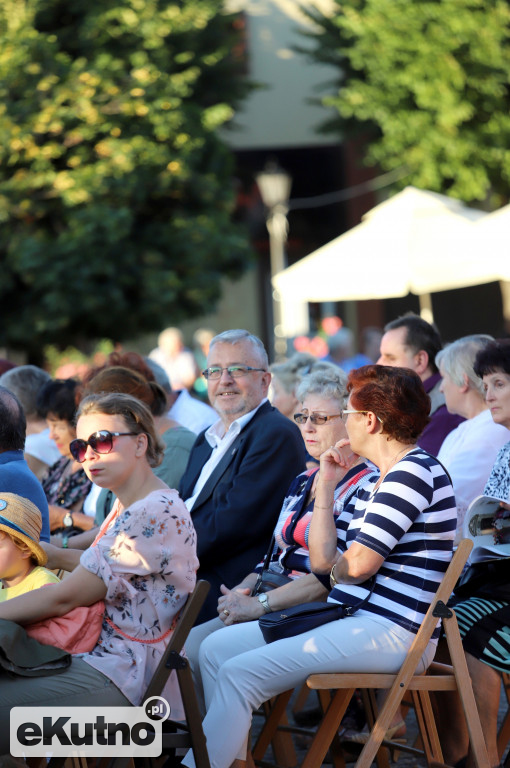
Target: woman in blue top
{"points": [[401, 530]]}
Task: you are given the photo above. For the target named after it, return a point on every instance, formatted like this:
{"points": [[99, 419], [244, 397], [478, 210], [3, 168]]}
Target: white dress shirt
{"points": [[220, 441]]}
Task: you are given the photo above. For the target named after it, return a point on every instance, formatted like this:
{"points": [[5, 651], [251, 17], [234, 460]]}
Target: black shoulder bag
{"points": [[288, 622]]}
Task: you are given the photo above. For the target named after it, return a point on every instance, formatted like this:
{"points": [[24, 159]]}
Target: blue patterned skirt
{"points": [[484, 626]]}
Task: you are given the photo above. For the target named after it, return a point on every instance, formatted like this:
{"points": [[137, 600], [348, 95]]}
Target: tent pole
{"points": [[426, 311]]}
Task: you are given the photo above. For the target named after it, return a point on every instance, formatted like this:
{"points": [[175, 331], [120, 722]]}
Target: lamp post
{"points": [[274, 185]]}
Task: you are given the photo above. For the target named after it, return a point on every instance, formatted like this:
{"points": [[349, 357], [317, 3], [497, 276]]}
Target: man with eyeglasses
{"points": [[240, 468]]}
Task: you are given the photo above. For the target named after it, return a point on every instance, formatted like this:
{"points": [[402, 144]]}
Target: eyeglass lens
{"points": [[236, 371], [315, 418], [101, 442]]}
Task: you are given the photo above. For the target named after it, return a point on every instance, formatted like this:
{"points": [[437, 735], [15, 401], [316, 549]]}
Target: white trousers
{"points": [[193, 644], [240, 672]]}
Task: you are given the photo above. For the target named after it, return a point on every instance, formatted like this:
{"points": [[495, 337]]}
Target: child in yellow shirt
{"points": [[22, 559]]}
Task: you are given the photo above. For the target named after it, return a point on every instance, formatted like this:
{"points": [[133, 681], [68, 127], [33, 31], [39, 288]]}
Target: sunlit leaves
{"points": [[430, 82], [115, 192]]}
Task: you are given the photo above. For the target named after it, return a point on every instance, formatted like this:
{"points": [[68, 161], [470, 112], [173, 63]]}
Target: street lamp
{"points": [[274, 185]]}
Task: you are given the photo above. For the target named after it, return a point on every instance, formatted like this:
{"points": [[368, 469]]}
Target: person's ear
{"points": [[142, 442], [372, 422], [421, 362], [266, 379], [465, 387], [26, 552]]}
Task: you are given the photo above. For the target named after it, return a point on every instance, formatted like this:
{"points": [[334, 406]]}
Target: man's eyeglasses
{"points": [[235, 371], [315, 418], [100, 442]]}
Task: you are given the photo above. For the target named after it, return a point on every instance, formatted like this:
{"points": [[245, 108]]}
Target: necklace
{"points": [[400, 455]]}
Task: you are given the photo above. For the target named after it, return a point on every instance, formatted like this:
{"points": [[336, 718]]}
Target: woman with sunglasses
{"points": [[391, 543], [321, 395], [142, 564]]}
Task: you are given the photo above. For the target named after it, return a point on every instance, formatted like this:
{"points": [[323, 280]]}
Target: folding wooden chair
{"points": [[504, 730], [439, 677], [189, 734]]}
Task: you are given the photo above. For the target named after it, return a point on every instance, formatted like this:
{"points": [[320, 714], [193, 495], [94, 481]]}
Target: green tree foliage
{"points": [[115, 190], [428, 80]]}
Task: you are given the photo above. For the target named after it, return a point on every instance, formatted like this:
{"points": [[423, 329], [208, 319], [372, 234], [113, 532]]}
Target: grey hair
{"points": [[25, 381], [239, 336], [326, 380], [290, 372], [458, 358], [161, 376]]}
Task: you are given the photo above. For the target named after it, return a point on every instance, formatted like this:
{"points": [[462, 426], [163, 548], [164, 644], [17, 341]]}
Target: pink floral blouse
{"points": [[146, 556]]}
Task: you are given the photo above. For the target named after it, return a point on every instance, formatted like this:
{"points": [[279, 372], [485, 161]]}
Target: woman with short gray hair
{"points": [[322, 397], [470, 450]]}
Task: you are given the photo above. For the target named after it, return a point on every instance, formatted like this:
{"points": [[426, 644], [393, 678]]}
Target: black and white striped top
{"points": [[410, 520]]}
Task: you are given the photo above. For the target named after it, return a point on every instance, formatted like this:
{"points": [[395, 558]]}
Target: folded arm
{"points": [[79, 588]]}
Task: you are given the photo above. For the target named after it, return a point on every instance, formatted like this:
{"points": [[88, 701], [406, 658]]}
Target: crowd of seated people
{"points": [[323, 479]]}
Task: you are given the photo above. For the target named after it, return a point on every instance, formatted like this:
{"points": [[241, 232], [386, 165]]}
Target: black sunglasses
{"points": [[100, 442]]}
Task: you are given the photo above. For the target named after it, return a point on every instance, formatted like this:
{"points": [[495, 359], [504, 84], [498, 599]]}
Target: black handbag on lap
{"points": [[289, 622]]}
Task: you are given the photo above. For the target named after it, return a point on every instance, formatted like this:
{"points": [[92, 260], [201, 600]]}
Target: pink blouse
{"points": [[146, 556]]}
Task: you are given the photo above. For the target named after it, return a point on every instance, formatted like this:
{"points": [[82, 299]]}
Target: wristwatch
{"points": [[67, 520], [264, 602]]}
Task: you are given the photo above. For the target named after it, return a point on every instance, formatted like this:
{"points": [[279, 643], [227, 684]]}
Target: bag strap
{"points": [[350, 610], [295, 520]]}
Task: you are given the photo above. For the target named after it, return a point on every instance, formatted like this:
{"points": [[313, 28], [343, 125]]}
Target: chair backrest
{"points": [[436, 607], [171, 656]]}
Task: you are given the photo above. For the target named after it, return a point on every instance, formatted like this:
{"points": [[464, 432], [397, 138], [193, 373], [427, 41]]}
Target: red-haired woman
{"points": [[399, 529]]}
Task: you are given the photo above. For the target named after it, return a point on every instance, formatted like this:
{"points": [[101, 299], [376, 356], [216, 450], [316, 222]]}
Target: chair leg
{"points": [[369, 698], [460, 668], [328, 728], [427, 727], [189, 700], [283, 746], [301, 698], [504, 731], [273, 718]]}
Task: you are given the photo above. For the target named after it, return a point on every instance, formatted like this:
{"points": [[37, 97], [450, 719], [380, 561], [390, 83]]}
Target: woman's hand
{"points": [[80, 519], [61, 559], [237, 605], [336, 461]]}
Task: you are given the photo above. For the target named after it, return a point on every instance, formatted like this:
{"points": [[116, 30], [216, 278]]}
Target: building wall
{"points": [[279, 115]]}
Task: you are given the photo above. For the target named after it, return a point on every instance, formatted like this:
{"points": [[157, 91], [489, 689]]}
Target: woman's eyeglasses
{"points": [[315, 418], [100, 442], [347, 411]]}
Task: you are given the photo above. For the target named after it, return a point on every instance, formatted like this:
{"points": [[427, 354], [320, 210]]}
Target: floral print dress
{"points": [[146, 556], [498, 484], [66, 490]]}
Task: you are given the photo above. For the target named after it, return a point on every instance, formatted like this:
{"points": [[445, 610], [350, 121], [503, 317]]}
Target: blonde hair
{"points": [[136, 414], [19, 544]]}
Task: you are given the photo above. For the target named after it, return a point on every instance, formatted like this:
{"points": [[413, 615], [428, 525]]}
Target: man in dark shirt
{"points": [[411, 342]]}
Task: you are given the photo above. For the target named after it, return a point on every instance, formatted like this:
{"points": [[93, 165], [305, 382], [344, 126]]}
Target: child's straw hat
{"points": [[21, 518]]}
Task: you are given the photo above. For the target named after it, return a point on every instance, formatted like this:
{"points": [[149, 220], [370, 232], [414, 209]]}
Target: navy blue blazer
{"points": [[237, 510]]}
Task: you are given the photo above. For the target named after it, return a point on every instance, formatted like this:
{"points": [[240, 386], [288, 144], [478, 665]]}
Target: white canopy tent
{"points": [[416, 241]]}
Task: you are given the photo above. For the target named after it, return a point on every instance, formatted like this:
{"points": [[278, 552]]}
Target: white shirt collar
{"points": [[216, 432]]}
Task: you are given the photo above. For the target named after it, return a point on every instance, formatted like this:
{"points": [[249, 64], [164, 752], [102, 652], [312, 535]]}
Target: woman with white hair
{"points": [[470, 450]]}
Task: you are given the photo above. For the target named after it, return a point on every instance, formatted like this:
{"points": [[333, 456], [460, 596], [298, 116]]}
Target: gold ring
{"points": [[227, 613]]}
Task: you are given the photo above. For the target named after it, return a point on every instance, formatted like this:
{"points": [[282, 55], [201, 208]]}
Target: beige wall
{"points": [[279, 115], [238, 308]]}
